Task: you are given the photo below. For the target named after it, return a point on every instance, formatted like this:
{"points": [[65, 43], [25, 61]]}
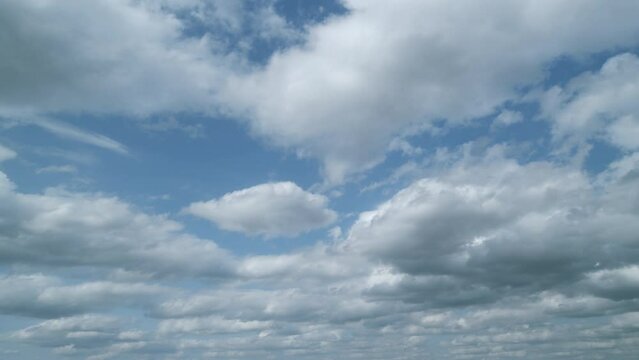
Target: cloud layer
{"points": [[487, 243]]}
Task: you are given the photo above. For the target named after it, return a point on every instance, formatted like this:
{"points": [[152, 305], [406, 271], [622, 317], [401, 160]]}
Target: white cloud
{"points": [[625, 132], [271, 209], [600, 105], [362, 79]]}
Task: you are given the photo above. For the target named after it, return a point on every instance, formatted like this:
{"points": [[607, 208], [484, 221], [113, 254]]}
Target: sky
{"points": [[334, 179]]}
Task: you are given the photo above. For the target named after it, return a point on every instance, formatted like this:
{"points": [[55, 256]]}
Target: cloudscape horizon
{"points": [[330, 179]]}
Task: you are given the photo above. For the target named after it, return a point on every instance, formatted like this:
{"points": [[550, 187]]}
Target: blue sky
{"points": [[319, 179]]}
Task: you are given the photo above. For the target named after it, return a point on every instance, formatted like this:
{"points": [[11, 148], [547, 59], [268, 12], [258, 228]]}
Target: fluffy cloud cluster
{"points": [[387, 69]]}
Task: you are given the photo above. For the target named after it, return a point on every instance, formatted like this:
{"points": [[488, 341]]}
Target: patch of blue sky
{"points": [[165, 171], [300, 13], [563, 69], [237, 31]]}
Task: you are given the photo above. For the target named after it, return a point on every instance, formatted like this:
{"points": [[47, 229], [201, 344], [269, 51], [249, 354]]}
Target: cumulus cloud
{"points": [[361, 79], [271, 209], [496, 225]]}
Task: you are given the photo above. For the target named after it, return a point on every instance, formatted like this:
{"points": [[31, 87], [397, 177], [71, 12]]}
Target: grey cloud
{"points": [[510, 228], [125, 57], [616, 284], [433, 291]]}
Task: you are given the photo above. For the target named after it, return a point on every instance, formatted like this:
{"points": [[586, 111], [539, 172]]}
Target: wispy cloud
{"points": [[6, 153], [70, 132], [76, 134], [69, 169]]}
